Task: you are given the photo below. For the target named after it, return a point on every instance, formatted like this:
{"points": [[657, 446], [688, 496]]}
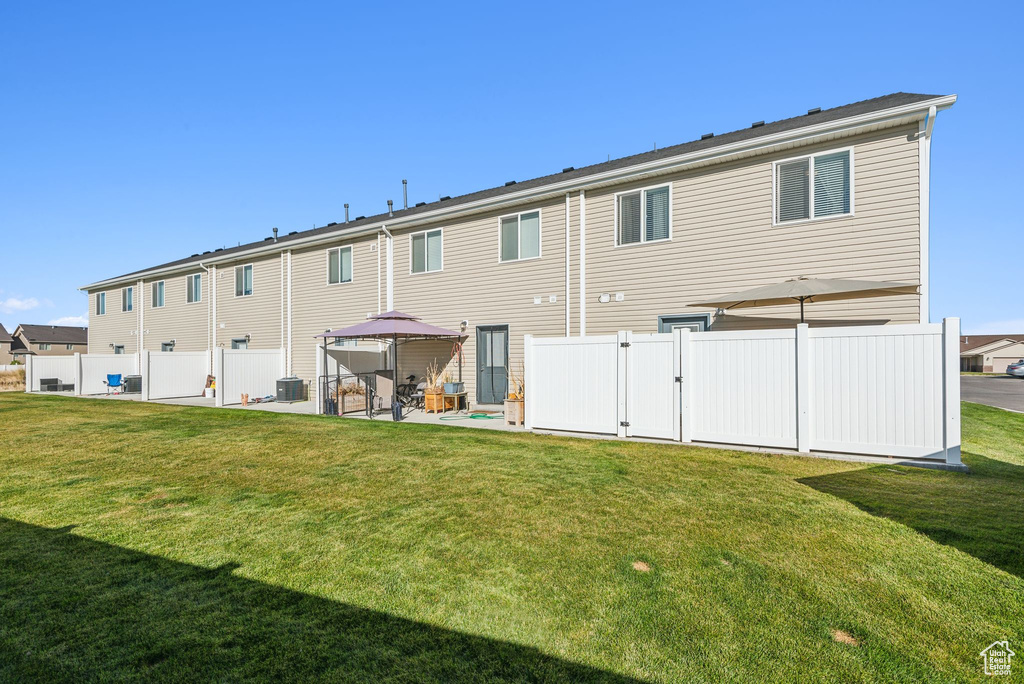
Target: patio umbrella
{"points": [[392, 326], [808, 290]]}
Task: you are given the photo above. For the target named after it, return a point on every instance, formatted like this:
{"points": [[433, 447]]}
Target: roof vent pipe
{"points": [[405, 194], [275, 234], [391, 208], [346, 212]]}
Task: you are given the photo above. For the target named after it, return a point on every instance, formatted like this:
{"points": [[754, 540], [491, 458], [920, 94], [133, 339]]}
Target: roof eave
{"points": [[912, 110]]}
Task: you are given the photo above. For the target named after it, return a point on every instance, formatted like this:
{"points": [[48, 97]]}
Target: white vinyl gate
{"points": [[888, 390]]}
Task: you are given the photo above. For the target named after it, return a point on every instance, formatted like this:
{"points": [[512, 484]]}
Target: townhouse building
{"points": [[625, 244]]}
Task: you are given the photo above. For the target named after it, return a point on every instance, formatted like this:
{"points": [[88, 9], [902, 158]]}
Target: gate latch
{"points": [[624, 344], [679, 378], [624, 423]]}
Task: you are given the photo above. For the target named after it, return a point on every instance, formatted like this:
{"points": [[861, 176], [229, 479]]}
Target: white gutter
{"points": [[611, 176]]}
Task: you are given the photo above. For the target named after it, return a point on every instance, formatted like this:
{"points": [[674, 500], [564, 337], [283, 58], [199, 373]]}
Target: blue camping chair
{"points": [[113, 382]]}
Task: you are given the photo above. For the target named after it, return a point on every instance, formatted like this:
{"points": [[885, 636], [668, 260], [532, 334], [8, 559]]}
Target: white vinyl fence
{"points": [[94, 369], [174, 374], [247, 371], [10, 366], [888, 390], [63, 368]]}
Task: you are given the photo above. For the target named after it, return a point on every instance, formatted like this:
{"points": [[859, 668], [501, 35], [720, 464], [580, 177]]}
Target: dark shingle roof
{"points": [[810, 119], [56, 334], [4, 335]]}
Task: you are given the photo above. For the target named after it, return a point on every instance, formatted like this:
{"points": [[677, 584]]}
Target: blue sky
{"points": [[138, 133]]}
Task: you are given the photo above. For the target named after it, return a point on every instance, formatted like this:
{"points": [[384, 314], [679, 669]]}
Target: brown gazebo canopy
{"points": [[391, 326]]}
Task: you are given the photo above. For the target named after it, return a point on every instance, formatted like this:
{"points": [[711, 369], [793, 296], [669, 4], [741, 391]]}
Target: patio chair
{"points": [[113, 382], [417, 397]]}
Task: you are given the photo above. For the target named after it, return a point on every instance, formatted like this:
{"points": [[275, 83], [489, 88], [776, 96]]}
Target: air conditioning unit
{"points": [[290, 389]]}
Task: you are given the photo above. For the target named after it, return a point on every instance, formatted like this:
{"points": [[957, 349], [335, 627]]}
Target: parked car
{"points": [[1016, 369]]}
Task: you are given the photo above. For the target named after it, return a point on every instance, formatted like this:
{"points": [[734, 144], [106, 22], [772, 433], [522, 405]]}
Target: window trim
{"points": [[519, 225], [101, 296], [667, 320], [424, 232], [130, 308], [810, 170], [234, 285], [163, 294], [352, 261], [44, 346], [69, 347], [187, 278], [643, 214]]}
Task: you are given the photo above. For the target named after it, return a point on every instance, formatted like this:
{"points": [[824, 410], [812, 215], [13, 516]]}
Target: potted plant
{"points": [[515, 404], [451, 387], [433, 396]]}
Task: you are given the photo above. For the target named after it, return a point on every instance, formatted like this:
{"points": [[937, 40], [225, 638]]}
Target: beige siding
{"points": [[185, 323], [723, 240], [115, 327], [318, 306], [474, 286], [257, 315]]}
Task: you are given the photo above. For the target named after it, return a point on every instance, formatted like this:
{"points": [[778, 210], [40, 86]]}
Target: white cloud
{"points": [[80, 321], [1011, 327], [14, 304]]}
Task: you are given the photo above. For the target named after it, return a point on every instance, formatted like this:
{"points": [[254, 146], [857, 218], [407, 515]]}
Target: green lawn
{"points": [[143, 541]]}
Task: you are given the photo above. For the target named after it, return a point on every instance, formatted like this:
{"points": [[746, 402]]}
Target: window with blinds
{"points": [[643, 216], [243, 281], [797, 198], [519, 236], [427, 251], [158, 294], [101, 303], [194, 288], [339, 265]]}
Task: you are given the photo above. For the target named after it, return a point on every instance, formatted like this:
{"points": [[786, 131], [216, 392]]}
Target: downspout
{"points": [[209, 324], [568, 312], [583, 263], [141, 341], [378, 273], [390, 267], [288, 341], [924, 142], [213, 318]]}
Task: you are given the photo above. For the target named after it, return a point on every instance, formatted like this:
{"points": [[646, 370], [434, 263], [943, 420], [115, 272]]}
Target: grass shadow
{"points": [[75, 609], [980, 513]]}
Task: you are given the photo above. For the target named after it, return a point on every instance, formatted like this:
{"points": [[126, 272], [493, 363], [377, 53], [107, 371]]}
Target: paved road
{"points": [[994, 390]]}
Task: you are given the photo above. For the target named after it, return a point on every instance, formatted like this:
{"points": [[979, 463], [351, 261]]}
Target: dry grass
{"points": [[12, 380]]}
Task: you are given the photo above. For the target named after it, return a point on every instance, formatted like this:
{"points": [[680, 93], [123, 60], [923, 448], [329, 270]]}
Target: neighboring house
{"points": [[49, 340], [6, 341], [620, 245], [990, 353]]}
